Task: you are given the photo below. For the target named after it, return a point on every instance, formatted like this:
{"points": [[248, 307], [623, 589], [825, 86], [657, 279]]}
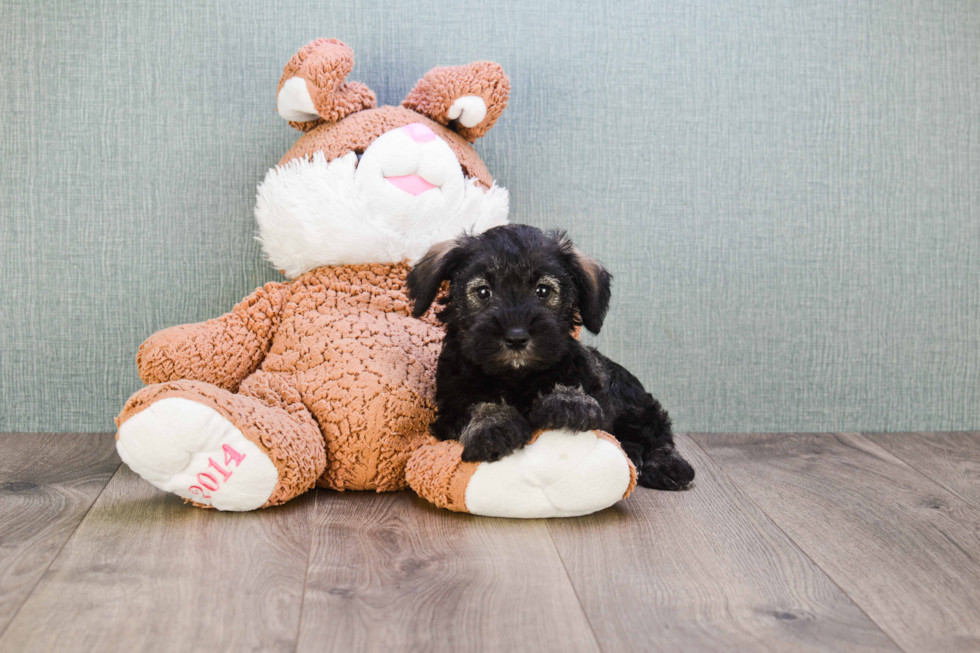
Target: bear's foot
{"points": [[217, 449], [558, 474], [191, 450]]}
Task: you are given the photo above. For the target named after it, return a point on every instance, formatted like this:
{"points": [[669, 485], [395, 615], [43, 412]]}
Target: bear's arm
{"points": [[221, 351]]}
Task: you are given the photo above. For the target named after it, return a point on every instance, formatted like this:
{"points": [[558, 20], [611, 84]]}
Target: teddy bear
{"points": [[326, 379]]}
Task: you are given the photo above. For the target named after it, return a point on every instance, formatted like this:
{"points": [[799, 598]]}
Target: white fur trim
{"points": [[314, 212], [470, 110], [294, 101], [561, 474], [172, 444]]}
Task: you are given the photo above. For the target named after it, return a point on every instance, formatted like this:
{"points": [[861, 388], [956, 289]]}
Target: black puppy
{"points": [[510, 364]]}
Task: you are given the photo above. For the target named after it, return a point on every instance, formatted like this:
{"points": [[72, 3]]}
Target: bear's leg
{"points": [[219, 449], [557, 474]]}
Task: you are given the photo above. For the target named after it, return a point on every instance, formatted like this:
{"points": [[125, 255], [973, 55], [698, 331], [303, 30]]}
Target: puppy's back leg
{"points": [[645, 433], [643, 428]]}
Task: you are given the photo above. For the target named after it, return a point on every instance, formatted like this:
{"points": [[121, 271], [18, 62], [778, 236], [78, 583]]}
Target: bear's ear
{"points": [[312, 89], [468, 99]]}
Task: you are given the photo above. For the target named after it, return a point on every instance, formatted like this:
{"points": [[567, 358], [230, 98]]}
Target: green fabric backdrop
{"points": [[787, 192]]}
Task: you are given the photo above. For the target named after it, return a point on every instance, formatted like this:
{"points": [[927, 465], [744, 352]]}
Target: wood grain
{"points": [[950, 459], [48, 481], [144, 572], [802, 542], [905, 549], [704, 570], [391, 572]]}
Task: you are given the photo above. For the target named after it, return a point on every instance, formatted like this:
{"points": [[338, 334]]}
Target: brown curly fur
{"points": [[325, 64], [436, 92], [336, 347]]}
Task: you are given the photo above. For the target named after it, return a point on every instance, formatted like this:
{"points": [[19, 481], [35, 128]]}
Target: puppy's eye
{"points": [[543, 291], [484, 293]]}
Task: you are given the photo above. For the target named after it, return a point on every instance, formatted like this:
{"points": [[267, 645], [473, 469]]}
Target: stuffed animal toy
{"points": [[327, 379]]}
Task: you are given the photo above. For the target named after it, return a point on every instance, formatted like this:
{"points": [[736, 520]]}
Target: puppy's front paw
{"points": [[567, 408], [494, 431]]}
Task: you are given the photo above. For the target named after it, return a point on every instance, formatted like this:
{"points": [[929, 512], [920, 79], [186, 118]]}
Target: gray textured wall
{"points": [[788, 192]]}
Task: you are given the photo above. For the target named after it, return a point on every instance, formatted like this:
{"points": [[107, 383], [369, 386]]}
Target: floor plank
{"points": [[391, 572], [144, 572], [704, 570], [905, 549], [48, 481], [950, 459]]}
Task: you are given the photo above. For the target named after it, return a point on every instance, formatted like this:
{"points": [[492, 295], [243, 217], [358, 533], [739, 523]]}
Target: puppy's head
{"points": [[515, 295]]}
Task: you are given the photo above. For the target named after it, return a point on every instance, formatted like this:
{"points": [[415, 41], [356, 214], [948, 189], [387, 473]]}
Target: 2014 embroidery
{"points": [[208, 481]]}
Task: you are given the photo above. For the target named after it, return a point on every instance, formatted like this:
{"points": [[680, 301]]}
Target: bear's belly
{"points": [[368, 378]]}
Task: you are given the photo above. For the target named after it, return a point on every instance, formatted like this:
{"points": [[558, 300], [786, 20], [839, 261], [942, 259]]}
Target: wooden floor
{"points": [[831, 542]]}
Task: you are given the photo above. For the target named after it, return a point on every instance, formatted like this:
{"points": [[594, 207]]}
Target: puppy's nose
{"points": [[419, 132], [516, 338]]}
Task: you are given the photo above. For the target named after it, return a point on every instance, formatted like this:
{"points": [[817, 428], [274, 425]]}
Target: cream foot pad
{"points": [[559, 474], [191, 450]]}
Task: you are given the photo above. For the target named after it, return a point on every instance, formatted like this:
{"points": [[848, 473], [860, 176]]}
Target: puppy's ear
{"points": [[593, 283], [426, 276]]}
